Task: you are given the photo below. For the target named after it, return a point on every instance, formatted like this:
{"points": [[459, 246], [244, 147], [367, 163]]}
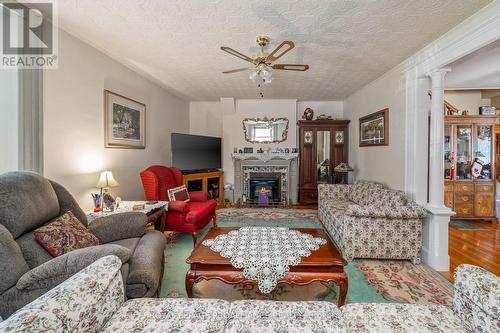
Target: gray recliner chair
{"points": [[27, 270]]}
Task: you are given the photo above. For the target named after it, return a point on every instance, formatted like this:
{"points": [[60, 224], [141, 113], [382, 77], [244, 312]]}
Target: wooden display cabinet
{"points": [[210, 183], [469, 139], [323, 145]]}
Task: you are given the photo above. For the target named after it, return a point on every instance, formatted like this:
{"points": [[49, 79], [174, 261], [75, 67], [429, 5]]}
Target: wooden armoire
{"points": [[470, 193], [323, 144]]}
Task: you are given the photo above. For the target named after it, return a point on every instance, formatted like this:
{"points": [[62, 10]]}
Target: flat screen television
{"points": [[196, 153]]}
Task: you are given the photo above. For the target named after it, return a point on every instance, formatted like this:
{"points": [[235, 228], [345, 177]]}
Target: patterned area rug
{"points": [[239, 214], [404, 283], [401, 281]]}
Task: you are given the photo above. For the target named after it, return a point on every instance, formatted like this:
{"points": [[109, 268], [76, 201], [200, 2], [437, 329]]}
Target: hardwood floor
{"points": [[477, 247]]}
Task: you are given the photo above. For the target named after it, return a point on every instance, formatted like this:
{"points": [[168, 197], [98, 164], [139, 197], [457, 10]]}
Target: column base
{"points": [[435, 238]]}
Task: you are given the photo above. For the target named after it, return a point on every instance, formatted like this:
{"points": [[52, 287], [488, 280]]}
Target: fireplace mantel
{"points": [[264, 157], [283, 163]]}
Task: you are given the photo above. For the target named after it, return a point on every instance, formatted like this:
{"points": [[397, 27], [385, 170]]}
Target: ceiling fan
{"points": [[263, 61]]}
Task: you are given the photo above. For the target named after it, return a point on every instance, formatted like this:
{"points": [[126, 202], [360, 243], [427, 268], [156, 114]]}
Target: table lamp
{"points": [[343, 168], [106, 180]]}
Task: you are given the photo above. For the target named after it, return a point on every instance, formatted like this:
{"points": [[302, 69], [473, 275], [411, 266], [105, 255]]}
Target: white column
{"points": [[435, 233], [436, 162]]}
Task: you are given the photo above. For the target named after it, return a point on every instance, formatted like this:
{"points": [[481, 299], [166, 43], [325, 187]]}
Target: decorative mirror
{"points": [[265, 130]]}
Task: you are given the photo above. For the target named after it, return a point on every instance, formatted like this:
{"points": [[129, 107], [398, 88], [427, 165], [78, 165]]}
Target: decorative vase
{"points": [[308, 114]]}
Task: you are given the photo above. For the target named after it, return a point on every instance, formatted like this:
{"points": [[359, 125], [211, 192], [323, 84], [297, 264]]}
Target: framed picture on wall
{"points": [[374, 129], [124, 122]]}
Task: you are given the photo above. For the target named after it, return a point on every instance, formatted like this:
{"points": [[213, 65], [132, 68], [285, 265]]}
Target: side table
{"points": [[156, 213]]}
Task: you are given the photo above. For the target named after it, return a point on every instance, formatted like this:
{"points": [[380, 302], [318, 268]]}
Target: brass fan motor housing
{"points": [[263, 41]]}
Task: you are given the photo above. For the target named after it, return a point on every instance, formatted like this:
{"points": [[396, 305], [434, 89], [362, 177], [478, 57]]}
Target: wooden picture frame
{"points": [[124, 122], [374, 129]]}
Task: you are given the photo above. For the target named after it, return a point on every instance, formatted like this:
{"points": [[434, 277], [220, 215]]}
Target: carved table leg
{"points": [[342, 283], [190, 279]]}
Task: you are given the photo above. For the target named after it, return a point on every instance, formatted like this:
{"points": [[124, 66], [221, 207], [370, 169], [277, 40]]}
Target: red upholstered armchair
{"points": [[181, 216]]}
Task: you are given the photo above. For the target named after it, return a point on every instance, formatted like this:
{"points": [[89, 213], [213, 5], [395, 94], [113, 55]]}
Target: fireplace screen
{"points": [[265, 190]]}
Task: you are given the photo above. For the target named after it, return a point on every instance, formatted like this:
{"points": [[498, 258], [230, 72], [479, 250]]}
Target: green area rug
{"points": [[378, 281]]}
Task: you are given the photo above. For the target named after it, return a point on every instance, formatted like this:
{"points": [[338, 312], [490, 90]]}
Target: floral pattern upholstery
{"points": [[93, 301], [382, 318], [380, 224], [477, 298], [83, 303], [170, 315], [272, 316]]}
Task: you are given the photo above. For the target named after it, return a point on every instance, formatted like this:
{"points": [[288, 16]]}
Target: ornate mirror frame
{"points": [[284, 136]]}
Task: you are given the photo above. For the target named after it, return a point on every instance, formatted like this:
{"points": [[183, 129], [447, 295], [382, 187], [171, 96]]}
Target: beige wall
{"points": [[74, 150], [469, 100], [495, 101], [385, 164]]}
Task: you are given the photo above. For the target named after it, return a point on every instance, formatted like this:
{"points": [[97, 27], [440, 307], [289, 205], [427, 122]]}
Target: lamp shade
{"points": [[106, 179], [343, 167]]}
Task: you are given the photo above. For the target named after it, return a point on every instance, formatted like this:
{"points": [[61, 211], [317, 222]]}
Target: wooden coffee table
{"points": [[325, 264]]}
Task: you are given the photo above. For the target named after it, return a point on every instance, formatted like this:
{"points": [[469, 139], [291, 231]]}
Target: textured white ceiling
{"points": [[480, 69], [347, 43]]}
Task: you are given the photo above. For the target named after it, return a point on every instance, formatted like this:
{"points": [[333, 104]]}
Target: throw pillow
{"points": [[64, 234], [178, 194]]}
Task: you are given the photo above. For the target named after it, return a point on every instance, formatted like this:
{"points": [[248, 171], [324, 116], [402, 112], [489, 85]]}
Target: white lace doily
{"points": [[264, 253]]}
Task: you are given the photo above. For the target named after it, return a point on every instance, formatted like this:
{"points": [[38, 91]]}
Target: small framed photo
{"points": [[248, 150], [124, 122], [339, 137], [308, 137], [374, 129]]}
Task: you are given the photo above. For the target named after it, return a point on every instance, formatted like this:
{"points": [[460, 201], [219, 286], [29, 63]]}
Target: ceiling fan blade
{"points": [[291, 67], [236, 53], [280, 50], [236, 70]]}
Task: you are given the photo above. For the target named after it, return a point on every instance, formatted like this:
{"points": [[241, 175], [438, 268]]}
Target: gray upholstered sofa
{"points": [[27, 270], [369, 220], [93, 301]]}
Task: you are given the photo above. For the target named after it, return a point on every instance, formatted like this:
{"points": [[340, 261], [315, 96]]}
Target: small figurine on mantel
{"points": [[324, 117], [308, 114]]}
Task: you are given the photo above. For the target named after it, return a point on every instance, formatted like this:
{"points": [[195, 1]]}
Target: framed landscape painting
{"points": [[124, 122], [374, 129]]}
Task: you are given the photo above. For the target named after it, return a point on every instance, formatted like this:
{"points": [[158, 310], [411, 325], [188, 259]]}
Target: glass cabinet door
{"points": [[484, 150], [448, 154], [323, 155], [464, 152]]}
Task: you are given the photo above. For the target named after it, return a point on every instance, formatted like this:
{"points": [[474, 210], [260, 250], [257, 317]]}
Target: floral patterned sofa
{"points": [[93, 301], [369, 220]]}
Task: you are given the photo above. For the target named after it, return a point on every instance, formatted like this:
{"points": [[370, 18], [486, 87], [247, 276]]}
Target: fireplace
{"points": [[276, 172], [265, 188]]}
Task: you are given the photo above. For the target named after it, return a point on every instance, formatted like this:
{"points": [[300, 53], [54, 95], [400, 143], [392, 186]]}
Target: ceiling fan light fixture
{"points": [[252, 74], [267, 75]]}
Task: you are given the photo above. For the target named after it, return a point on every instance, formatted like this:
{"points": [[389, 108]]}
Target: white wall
{"points": [[74, 150], [330, 108], [469, 100], [9, 142], [211, 118], [232, 127], [385, 164], [205, 118]]}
